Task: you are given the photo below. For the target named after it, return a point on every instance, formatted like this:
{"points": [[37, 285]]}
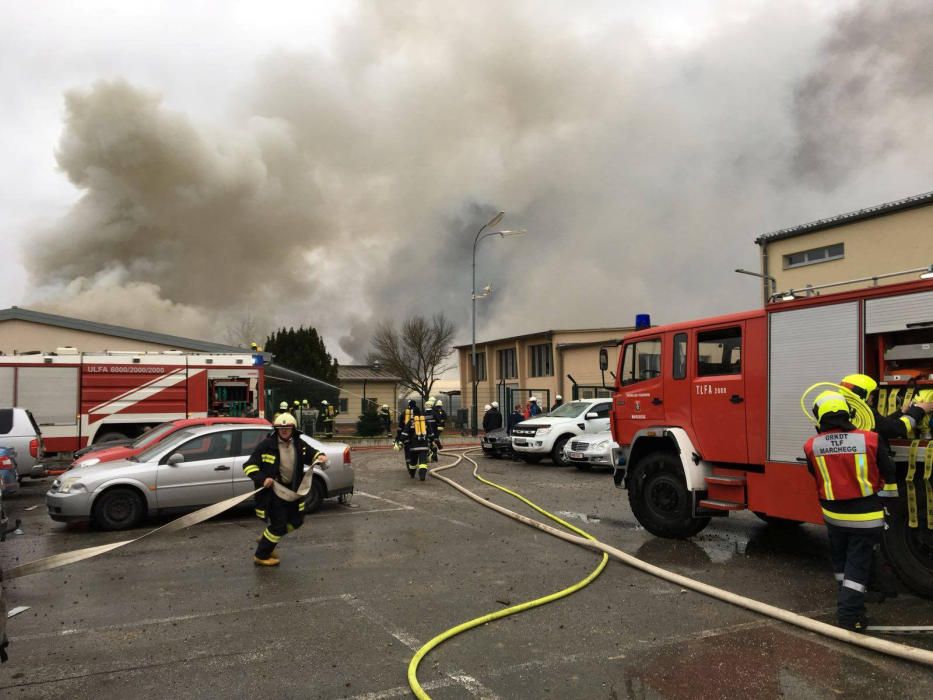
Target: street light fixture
{"points": [[476, 239], [764, 277]]}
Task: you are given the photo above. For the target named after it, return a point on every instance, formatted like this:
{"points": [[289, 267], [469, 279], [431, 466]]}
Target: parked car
{"points": [[586, 451], [20, 432], [545, 436], [124, 449], [497, 443], [191, 468]]}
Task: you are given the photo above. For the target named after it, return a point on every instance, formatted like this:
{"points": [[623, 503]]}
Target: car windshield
{"points": [[171, 441], [153, 436], [570, 410]]}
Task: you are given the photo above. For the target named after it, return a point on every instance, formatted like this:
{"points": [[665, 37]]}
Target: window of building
{"points": [[816, 255], [642, 360], [480, 365], [719, 352], [541, 360], [680, 356], [343, 405], [508, 366]]}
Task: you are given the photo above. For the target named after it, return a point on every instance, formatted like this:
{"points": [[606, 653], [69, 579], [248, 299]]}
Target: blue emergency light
{"points": [[642, 321], [258, 360]]}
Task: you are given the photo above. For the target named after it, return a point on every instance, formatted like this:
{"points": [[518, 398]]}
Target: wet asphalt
{"points": [[362, 586]]}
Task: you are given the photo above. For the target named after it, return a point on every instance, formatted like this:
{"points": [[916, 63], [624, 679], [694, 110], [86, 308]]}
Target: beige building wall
{"points": [[23, 336], [572, 351], [881, 245], [352, 392]]}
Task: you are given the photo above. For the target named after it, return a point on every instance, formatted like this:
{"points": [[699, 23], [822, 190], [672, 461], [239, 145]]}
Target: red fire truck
{"points": [[708, 420], [84, 398]]}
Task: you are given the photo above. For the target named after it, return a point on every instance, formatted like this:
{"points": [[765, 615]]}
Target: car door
{"points": [[601, 422], [247, 442], [204, 476]]}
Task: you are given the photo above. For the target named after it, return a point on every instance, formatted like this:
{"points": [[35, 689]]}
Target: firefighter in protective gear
{"points": [[401, 436], [385, 415], [283, 409], [327, 418], [417, 435], [440, 415], [850, 470], [901, 424], [430, 417], [277, 465]]}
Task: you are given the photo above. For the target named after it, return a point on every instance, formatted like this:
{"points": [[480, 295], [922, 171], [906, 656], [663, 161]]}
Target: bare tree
{"points": [[244, 329], [416, 353]]}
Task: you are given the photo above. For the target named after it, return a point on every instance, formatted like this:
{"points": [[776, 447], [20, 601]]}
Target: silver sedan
{"points": [[593, 450], [191, 468]]}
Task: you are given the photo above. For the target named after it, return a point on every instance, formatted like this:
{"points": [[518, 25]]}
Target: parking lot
{"points": [[362, 586]]}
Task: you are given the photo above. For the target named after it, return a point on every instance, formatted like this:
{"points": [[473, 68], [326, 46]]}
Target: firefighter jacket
{"points": [[850, 471], [264, 462], [492, 419], [440, 415], [418, 433], [900, 426]]}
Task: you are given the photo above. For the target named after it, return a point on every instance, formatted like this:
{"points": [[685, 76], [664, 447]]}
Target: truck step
{"points": [[714, 504], [723, 480]]}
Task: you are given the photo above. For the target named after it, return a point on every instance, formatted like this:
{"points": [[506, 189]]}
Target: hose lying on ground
{"points": [[902, 651], [505, 612]]}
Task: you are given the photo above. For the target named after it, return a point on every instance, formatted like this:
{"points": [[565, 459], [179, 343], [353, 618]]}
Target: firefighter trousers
{"points": [[851, 550], [282, 517]]}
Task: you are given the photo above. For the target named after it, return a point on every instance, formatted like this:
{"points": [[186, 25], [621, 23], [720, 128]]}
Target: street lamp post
{"points": [[767, 278], [476, 239]]}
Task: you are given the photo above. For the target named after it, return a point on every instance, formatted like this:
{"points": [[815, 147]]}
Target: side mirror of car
{"points": [[603, 359], [175, 459], [591, 415]]}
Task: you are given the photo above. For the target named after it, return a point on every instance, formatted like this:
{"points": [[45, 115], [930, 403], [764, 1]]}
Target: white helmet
{"points": [[559, 397], [495, 404], [385, 405], [486, 407], [534, 399], [430, 400], [324, 401], [286, 420]]}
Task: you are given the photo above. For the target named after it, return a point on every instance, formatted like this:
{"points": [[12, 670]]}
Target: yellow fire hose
{"points": [[863, 418], [902, 651], [505, 612]]}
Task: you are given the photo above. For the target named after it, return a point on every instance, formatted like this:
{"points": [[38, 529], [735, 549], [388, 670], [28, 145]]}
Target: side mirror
{"points": [[591, 415], [603, 359], [175, 459]]}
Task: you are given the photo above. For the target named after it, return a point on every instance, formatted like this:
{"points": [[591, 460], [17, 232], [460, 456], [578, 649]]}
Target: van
{"points": [[20, 432]]}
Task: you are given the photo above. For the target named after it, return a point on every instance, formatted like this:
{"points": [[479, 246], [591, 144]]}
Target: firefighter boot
{"points": [[411, 471], [422, 472], [270, 560]]}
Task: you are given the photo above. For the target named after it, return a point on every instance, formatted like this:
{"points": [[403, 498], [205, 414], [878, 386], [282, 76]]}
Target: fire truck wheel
{"points": [[777, 522], [659, 497], [910, 551], [119, 508], [316, 497]]}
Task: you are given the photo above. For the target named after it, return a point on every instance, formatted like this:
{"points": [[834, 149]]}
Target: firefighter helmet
{"points": [[324, 401], [495, 404], [829, 402], [286, 420], [533, 399], [283, 406], [486, 407], [559, 397], [304, 402], [859, 384]]}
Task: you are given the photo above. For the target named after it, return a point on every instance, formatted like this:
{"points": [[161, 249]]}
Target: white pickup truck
{"points": [[545, 435]]}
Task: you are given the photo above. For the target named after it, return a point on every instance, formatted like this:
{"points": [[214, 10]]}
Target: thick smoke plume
{"points": [[348, 186]]}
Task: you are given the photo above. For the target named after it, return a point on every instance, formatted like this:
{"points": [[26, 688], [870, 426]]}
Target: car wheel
{"points": [[659, 497], [530, 459], [557, 453], [119, 508], [110, 437], [315, 498]]}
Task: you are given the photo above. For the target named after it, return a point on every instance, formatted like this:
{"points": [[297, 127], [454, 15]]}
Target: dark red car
{"points": [[107, 452]]}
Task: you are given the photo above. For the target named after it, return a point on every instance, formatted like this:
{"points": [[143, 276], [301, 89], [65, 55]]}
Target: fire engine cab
{"points": [[85, 398], [708, 420]]}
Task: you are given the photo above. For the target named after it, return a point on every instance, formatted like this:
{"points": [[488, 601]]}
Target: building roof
{"points": [[16, 313], [549, 334], [917, 200], [357, 373]]}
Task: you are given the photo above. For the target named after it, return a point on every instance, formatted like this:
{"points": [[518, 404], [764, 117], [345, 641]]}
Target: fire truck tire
{"points": [[910, 552], [119, 508], [315, 498], [775, 521], [659, 497], [557, 452], [110, 437]]}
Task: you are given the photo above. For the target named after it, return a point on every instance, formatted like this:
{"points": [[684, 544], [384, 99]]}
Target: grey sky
{"points": [[338, 156]]}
